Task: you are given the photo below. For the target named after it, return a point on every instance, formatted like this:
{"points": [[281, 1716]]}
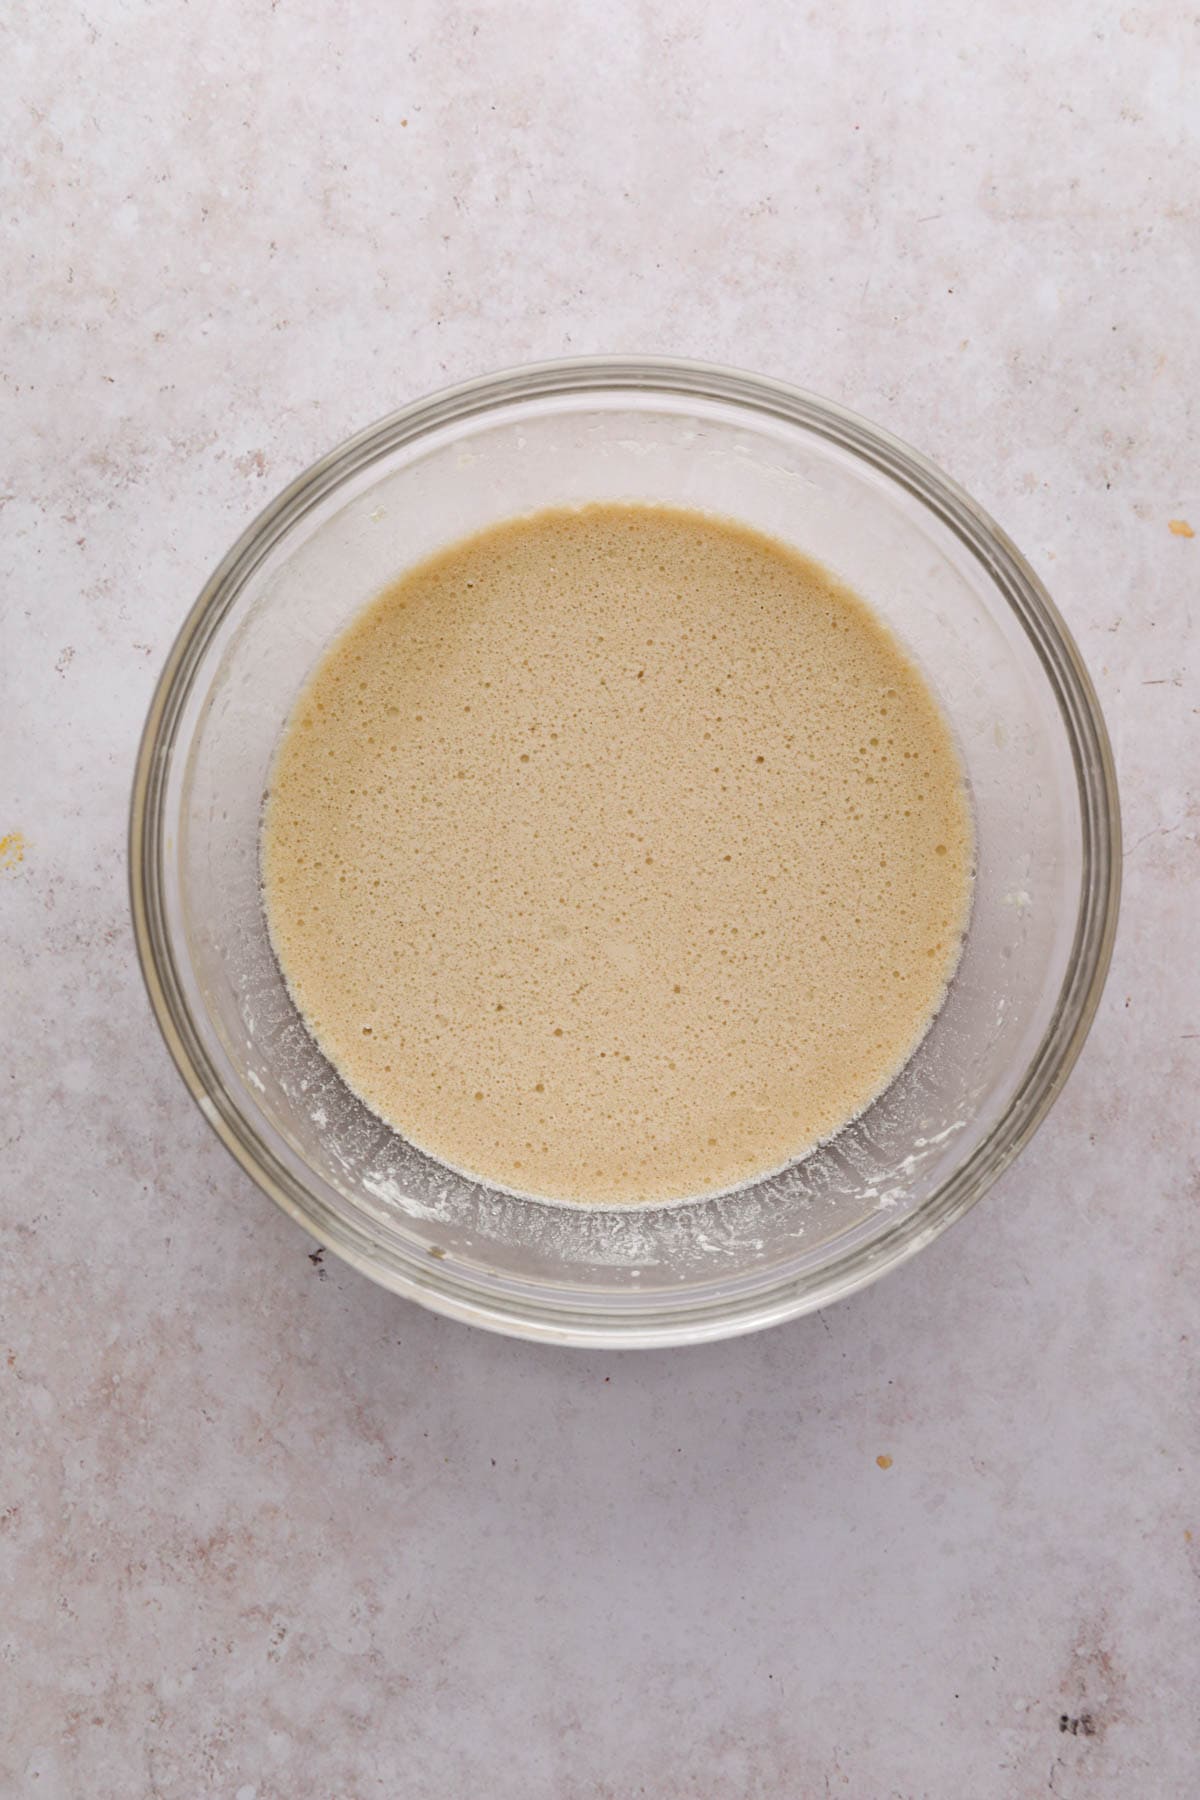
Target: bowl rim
{"points": [[574, 1321]]}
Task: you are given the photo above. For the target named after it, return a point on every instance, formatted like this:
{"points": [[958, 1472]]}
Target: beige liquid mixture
{"points": [[617, 854]]}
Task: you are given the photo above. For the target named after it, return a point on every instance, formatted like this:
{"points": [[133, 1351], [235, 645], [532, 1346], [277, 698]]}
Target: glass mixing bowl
{"points": [[955, 591]]}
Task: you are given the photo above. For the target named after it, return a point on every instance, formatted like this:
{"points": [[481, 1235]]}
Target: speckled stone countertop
{"points": [[269, 1533]]}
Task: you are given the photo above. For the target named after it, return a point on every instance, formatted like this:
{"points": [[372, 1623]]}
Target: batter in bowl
{"points": [[617, 854]]}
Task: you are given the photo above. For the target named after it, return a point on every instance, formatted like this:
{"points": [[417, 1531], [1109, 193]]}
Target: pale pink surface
{"points": [[268, 1533]]}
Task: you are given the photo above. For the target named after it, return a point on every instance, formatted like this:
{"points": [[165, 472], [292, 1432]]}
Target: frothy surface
{"points": [[617, 854]]}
